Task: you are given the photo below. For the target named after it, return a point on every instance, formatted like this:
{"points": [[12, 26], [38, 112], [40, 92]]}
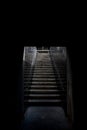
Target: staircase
{"points": [[42, 87]]}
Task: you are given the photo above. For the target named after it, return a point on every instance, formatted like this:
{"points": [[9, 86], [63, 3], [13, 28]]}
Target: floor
{"points": [[45, 118]]}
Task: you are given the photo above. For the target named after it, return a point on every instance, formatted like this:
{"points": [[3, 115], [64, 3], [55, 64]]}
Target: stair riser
{"points": [[42, 71], [63, 93], [44, 98], [44, 79], [39, 80], [49, 87], [41, 87], [43, 90], [41, 83], [27, 104]]}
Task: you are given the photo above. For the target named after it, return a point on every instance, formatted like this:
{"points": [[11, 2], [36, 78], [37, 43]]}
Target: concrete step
{"points": [[39, 73], [39, 76], [43, 67], [45, 71], [30, 82], [43, 96], [43, 83], [57, 82], [45, 102], [39, 69], [41, 64], [27, 87], [43, 60], [46, 59], [44, 91], [42, 51], [44, 79], [43, 87], [62, 73]]}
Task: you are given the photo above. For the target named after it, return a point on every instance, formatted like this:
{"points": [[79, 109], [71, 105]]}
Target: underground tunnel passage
{"points": [[48, 100]]}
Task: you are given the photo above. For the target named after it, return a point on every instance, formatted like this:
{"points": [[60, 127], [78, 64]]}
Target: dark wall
{"points": [[76, 58], [74, 54], [13, 88], [59, 57]]}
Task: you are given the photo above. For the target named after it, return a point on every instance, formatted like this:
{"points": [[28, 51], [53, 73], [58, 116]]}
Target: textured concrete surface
{"points": [[45, 118]]}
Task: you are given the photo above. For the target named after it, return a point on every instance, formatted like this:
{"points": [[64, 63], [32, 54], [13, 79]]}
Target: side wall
{"points": [[59, 54]]}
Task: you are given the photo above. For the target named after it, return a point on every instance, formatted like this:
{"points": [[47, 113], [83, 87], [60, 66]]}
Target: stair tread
{"points": [[37, 90], [43, 94], [44, 87], [44, 90], [39, 75], [43, 65], [43, 68], [37, 87], [46, 74], [43, 79], [43, 71], [43, 100], [43, 83]]}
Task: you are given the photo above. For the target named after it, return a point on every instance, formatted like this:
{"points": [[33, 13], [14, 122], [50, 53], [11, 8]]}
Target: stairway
{"points": [[42, 87]]}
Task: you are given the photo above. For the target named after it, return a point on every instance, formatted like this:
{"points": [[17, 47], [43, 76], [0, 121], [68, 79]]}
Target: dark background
{"points": [[65, 26]]}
